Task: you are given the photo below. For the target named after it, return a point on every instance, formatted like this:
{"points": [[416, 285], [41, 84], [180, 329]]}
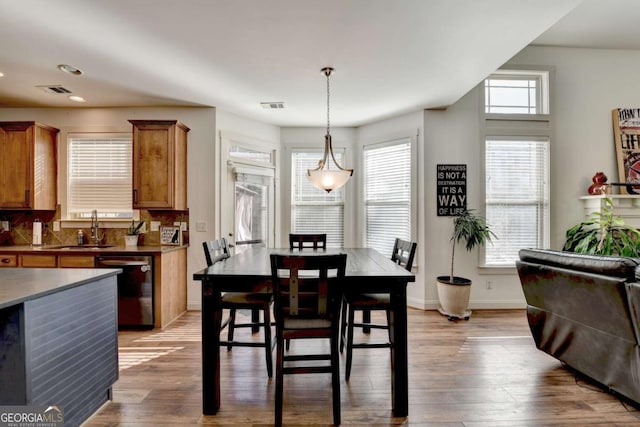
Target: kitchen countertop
{"points": [[88, 249], [23, 284]]}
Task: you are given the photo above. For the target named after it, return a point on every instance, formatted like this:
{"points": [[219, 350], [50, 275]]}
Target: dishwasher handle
{"points": [[144, 266]]}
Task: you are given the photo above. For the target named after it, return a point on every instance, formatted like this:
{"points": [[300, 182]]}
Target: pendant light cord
{"points": [[328, 73]]}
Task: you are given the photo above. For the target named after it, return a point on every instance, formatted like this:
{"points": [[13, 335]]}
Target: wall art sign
{"points": [[170, 236], [451, 183], [626, 131]]}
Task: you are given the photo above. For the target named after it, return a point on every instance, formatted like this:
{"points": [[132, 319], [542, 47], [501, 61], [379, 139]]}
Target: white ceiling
{"points": [[391, 57]]}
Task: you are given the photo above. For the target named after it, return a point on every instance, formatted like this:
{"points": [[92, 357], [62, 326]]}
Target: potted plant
{"points": [[134, 230], [454, 291], [603, 234]]}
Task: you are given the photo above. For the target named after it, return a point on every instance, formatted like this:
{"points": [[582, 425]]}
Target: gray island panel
{"points": [[59, 339]]}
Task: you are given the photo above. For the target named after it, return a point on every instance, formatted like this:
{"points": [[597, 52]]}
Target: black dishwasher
{"points": [[135, 289]]}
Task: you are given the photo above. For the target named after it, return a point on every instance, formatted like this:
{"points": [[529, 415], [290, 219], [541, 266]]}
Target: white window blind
{"points": [[99, 175], [387, 194], [312, 210], [517, 196]]}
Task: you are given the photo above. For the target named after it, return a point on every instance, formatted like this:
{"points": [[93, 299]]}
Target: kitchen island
{"points": [[58, 338]]}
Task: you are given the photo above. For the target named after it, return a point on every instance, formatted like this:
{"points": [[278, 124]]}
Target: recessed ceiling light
{"points": [[1, 74], [76, 98], [70, 69]]}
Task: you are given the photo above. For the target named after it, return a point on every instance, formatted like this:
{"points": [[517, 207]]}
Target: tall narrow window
{"points": [[313, 210], [387, 194], [517, 196], [99, 175]]}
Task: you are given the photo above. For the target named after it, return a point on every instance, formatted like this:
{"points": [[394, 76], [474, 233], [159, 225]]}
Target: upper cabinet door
{"points": [[159, 164], [28, 178]]}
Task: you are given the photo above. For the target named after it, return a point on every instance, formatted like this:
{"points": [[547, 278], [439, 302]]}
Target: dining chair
{"points": [[217, 251], [311, 241], [403, 254], [307, 300]]}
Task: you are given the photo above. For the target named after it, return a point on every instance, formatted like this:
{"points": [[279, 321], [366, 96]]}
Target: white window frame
{"points": [[332, 241], [407, 201], [519, 126], [543, 107]]}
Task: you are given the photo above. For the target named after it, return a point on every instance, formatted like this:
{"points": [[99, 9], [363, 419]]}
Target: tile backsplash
{"points": [[21, 228]]}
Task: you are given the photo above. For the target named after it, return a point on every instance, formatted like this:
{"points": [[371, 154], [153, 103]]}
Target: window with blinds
{"points": [[387, 194], [517, 196], [312, 210], [99, 175]]}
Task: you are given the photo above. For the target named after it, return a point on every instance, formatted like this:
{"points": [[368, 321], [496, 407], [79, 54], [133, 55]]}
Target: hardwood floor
{"points": [[485, 372]]}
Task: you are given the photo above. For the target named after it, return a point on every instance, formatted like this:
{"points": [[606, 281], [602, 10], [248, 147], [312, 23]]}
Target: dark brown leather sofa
{"points": [[584, 310]]}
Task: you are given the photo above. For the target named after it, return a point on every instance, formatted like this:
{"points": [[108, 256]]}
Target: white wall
{"points": [[453, 136], [589, 84]]}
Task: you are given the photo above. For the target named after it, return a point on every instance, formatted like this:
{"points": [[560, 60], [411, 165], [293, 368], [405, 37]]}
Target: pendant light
{"points": [[325, 177]]}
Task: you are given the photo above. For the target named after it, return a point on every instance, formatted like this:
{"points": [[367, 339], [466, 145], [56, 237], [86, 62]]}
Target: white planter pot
{"points": [[131, 240], [454, 297]]}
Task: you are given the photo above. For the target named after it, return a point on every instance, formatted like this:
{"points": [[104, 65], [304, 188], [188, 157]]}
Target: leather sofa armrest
{"points": [[633, 298]]}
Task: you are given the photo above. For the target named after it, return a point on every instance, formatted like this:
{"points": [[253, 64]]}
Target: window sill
{"points": [[497, 270], [104, 223]]}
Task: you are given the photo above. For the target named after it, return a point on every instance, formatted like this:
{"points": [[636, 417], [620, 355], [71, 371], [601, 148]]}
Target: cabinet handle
{"points": [[5, 260], [135, 196], [26, 197]]}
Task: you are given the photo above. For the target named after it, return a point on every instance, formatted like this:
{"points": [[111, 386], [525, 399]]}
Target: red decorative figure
{"points": [[599, 185]]}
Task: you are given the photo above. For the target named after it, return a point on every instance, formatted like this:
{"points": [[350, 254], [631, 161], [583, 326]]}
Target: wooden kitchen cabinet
{"points": [[31, 260], [76, 261], [9, 261], [28, 166], [159, 164]]}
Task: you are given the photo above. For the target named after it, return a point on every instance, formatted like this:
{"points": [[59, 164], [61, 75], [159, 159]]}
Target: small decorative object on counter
{"points": [[599, 185], [80, 237], [131, 239]]}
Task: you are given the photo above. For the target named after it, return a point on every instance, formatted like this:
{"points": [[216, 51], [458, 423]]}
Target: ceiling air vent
{"points": [[272, 105], [54, 89]]}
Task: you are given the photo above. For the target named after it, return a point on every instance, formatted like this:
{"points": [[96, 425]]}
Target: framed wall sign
{"points": [[170, 235], [451, 182], [626, 131]]}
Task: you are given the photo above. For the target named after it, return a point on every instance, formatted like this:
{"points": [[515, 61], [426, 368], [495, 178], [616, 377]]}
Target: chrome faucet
{"points": [[95, 228]]}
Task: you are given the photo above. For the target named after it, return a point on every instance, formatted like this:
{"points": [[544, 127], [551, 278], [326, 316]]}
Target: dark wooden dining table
{"points": [[250, 271]]}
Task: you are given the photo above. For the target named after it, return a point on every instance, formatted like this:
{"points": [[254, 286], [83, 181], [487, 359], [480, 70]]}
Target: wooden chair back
{"points": [[215, 250], [307, 286], [301, 241], [403, 253]]}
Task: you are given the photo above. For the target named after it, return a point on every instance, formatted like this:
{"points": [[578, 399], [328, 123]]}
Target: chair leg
{"points": [[335, 378], [255, 319], [279, 379], [366, 318], [231, 326], [267, 339], [347, 369], [343, 323]]}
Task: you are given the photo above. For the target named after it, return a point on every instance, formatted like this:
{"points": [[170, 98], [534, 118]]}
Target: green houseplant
{"points": [[132, 233], [603, 233], [454, 291]]}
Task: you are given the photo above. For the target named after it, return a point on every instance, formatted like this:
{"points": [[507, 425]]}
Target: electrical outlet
{"points": [[4, 225], [489, 284], [183, 226], [155, 225], [201, 226], [56, 225]]}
